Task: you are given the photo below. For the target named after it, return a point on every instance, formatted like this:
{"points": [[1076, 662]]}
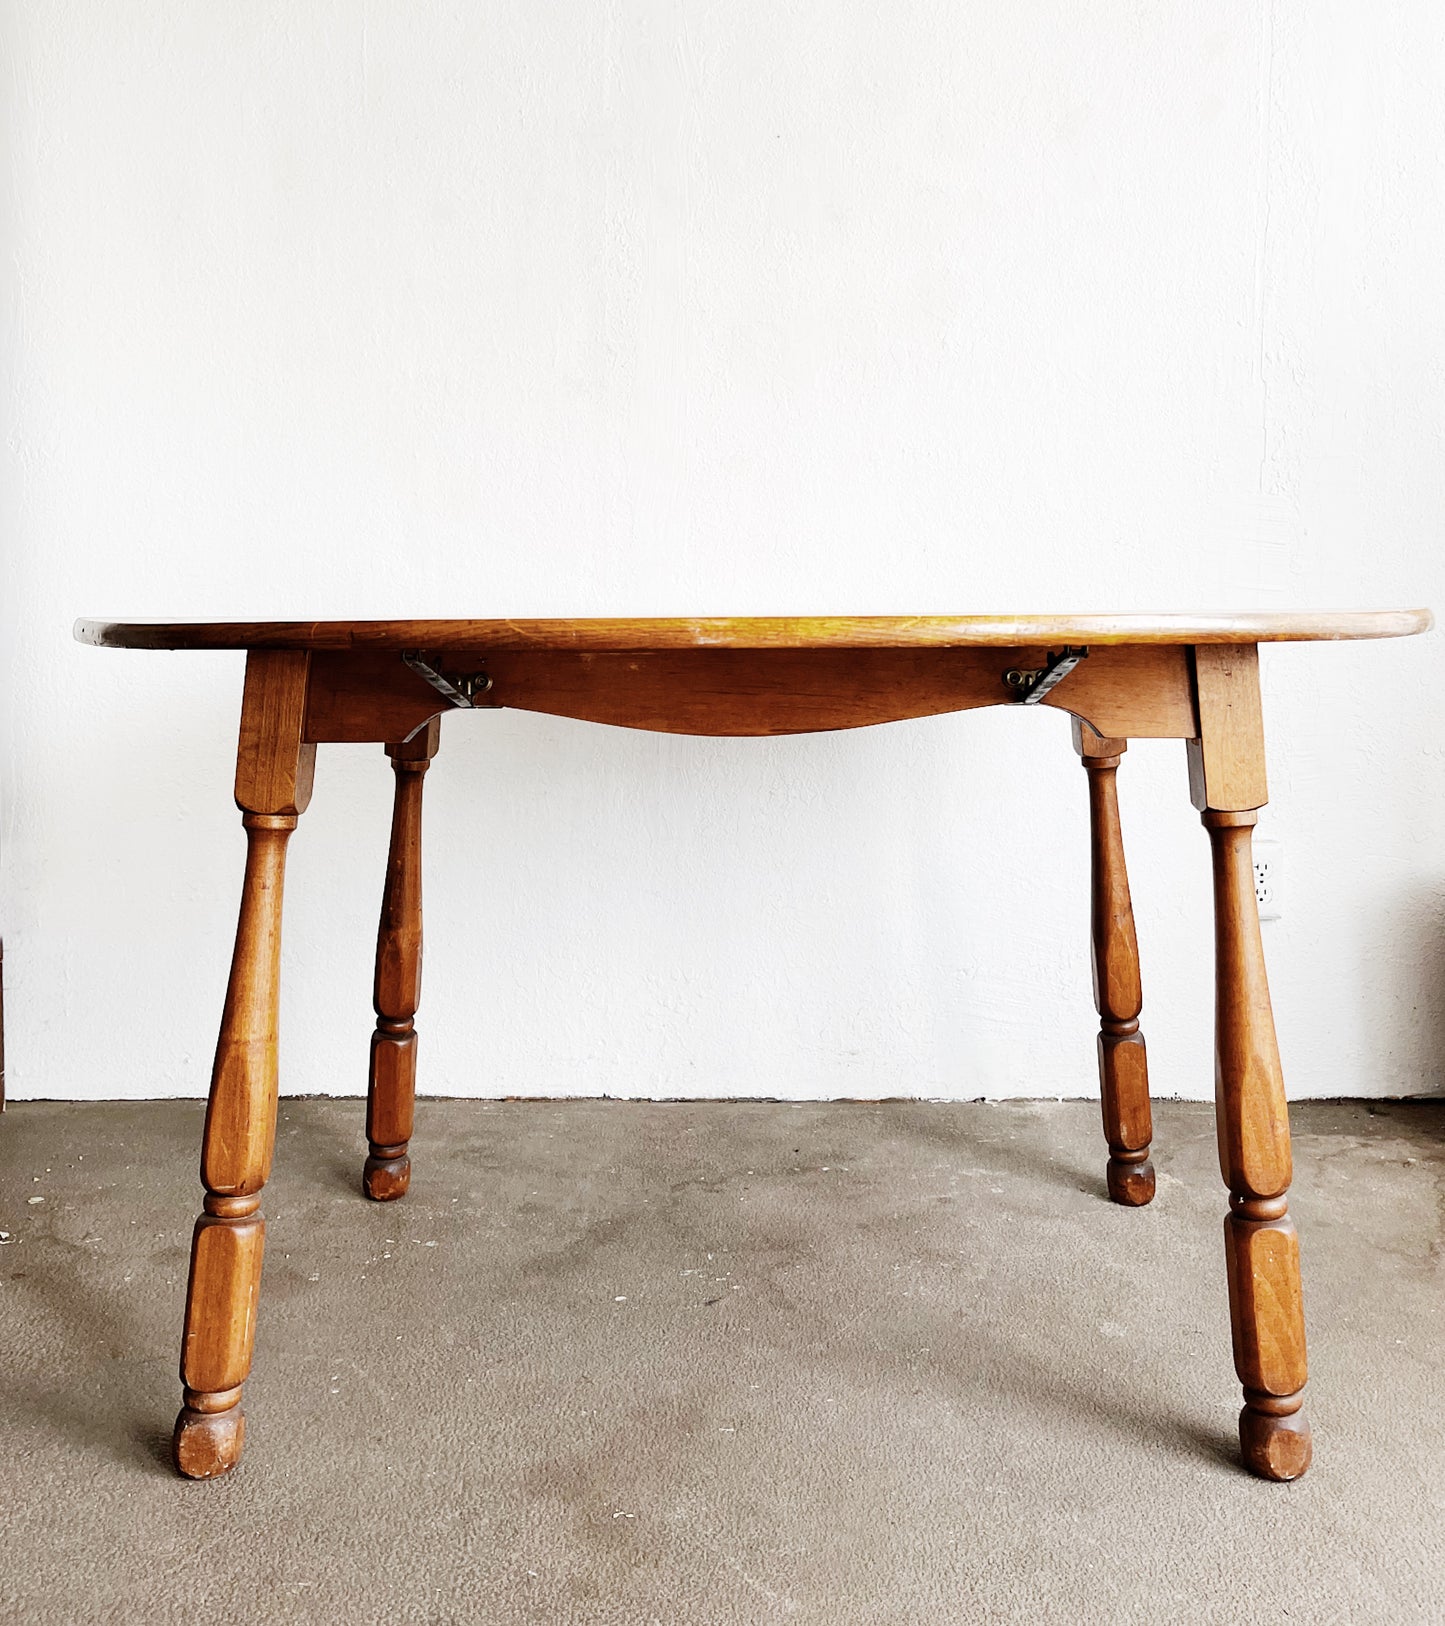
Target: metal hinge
{"points": [[1031, 687], [462, 691]]}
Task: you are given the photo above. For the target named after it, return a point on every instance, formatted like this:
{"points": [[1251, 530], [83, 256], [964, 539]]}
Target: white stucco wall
{"points": [[373, 307]]}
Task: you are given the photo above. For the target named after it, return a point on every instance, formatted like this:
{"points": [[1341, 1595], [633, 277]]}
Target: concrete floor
{"points": [[714, 1363]]}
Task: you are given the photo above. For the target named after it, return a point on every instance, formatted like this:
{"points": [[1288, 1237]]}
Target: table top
{"points": [[761, 632]]}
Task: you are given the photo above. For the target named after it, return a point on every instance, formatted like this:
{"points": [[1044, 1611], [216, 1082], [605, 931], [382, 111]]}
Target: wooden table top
{"points": [[761, 632]]}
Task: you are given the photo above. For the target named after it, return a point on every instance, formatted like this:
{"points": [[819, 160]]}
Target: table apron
{"points": [[1136, 692]]}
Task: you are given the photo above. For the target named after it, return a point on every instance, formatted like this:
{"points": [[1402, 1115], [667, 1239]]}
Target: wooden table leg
{"points": [[273, 786], [391, 1091], [1261, 1245], [1118, 994]]}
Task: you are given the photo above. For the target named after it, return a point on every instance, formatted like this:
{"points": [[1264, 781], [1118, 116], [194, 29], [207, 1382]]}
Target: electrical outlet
{"points": [[1268, 865]]}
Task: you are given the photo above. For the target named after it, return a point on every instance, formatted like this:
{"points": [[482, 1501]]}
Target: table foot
{"points": [[207, 1444], [387, 1173], [1131, 1181], [1274, 1445]]}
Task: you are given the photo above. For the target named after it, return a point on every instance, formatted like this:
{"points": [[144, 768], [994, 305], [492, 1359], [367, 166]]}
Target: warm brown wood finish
{"points": [[1118, 991], [1261, 1248], [1146, 692], [1194, 679], [1227, 781], [397, 993], [367, 699], [1226, 761], [760, 632], [273, 787]]}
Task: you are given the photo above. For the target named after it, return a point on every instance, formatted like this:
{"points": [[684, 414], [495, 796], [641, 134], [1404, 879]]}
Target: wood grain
{"points": [[241, 1114], [274, 763], [1141, 693], [220, 1327], [367, 698], [1191, 678], [1252, 1119], [1226, 761], [273, 786], [746, 692], [760, 632], [1146, 691], [391, 1088], [1118, 989]]}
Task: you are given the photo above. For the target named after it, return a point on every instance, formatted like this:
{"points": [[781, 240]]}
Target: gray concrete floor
{"points": [[714, 1363]]}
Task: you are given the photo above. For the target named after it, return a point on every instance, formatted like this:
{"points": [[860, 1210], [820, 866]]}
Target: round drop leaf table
{"points": [[1193, 678]]}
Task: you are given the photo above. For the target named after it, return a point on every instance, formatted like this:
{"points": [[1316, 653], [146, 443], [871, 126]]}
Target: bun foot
{"points": [[207, 1444], [1131, 1184], [1275, 1447], [386, 1178]]}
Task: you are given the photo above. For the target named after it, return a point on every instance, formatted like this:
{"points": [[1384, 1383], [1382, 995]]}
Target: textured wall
{"points": [[375, 307]]}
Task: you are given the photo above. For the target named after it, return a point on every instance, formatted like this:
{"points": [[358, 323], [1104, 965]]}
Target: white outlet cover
{"points": [[1268, 877]]}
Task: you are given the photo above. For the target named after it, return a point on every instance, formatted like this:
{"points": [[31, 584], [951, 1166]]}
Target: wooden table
{"points": [[1121, 677]]}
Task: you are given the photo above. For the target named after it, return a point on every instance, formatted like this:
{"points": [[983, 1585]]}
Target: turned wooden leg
{"points": [[1118, 996], [273, 769], [392, 1088], [1261, 1246]]}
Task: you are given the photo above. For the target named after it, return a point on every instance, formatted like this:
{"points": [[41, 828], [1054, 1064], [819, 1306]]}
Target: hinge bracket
{"points": [[462, 691], [1031, 687]]}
